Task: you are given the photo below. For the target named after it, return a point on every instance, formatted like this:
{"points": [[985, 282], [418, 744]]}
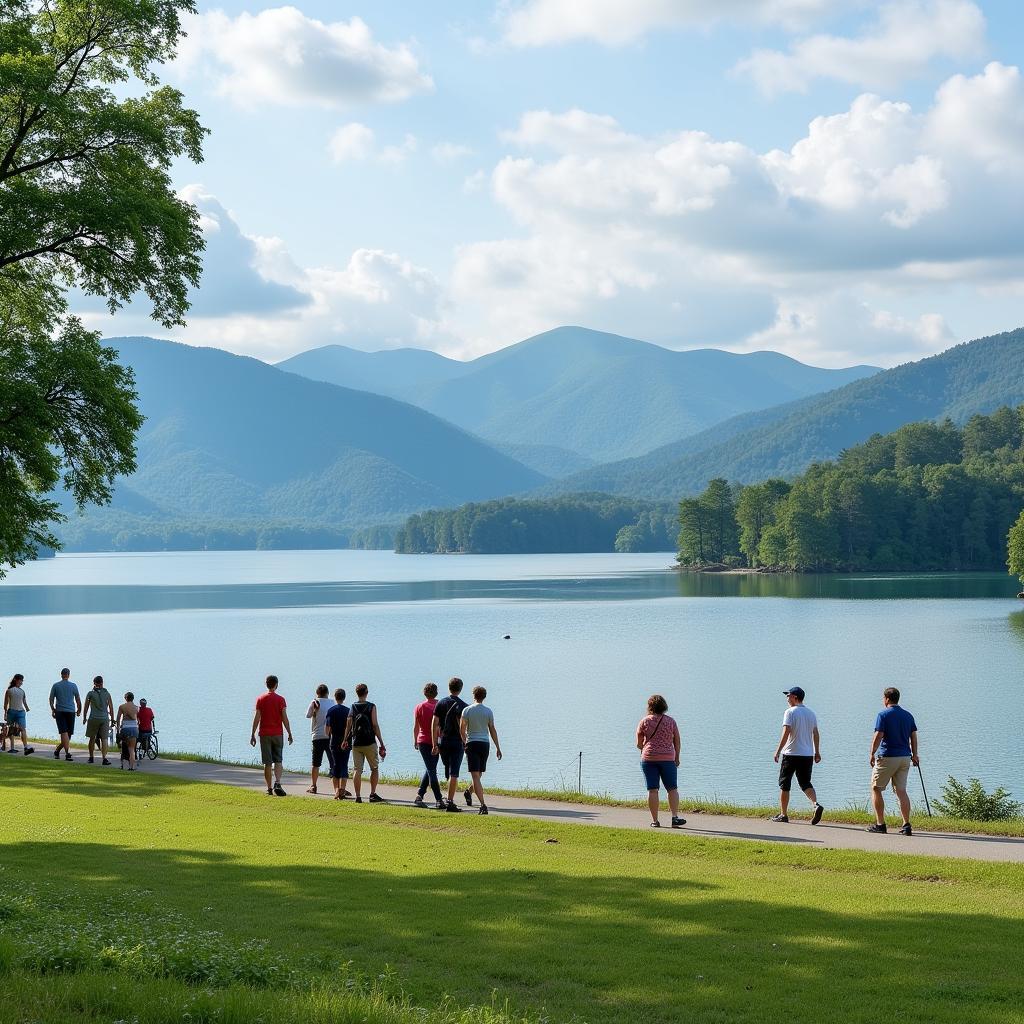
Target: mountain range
{"points": [[974, 377], [572, 395]]}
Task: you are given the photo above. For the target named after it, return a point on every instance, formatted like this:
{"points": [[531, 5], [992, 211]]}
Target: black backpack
{"points": [[446, 726], [362, 724]]}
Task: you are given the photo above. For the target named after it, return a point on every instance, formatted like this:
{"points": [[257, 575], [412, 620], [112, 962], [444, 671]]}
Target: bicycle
{"points": [[148, 745]]}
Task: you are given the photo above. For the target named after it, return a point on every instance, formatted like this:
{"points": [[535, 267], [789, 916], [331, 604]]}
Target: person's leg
{"points": [[653, 800], [103, 744], [878, 804], [811, 795], [357, 778], [268, 774], [131, 753], [315, 773], [478, 787], [374, 777], [278, 769], [904, 798], [784, 801]]}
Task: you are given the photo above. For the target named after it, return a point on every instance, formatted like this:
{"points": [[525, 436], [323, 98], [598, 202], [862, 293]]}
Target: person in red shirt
{"points": [[271, 719], [147, 720]]}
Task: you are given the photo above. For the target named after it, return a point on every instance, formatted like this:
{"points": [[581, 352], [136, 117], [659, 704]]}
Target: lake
{"points": [[591, 637]]}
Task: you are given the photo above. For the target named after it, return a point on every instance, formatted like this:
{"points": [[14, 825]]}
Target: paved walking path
{"points": [[824, 836]]}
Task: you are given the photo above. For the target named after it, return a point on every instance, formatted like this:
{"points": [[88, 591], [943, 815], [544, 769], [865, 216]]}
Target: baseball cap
{"points": [[796, 691]]}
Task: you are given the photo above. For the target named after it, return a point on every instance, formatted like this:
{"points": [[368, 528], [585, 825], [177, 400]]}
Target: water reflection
{"points": [[81, 599]]}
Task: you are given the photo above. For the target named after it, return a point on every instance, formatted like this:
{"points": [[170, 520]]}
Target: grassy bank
{"points": [[243, 907]]}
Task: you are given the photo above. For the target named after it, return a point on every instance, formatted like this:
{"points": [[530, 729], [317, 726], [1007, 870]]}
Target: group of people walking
{"points": [[448, 732], [893, 752], [133, 723]]}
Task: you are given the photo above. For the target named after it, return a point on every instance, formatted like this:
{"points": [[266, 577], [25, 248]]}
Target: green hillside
{"points": [[598, 395], [974, 377], [228, 438]]}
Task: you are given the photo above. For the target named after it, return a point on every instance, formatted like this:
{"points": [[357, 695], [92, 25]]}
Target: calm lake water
{"points": [[592, 636]]}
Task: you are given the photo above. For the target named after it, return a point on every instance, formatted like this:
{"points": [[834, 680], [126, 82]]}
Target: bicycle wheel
{"points": [[153, 748]]}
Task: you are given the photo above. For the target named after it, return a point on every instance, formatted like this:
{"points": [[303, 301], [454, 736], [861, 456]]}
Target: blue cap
{"points": [[796, 691]]}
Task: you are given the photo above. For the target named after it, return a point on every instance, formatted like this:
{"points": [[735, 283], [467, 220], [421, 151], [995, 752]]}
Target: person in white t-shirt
{"points": [[800, 750], [317, 715]]}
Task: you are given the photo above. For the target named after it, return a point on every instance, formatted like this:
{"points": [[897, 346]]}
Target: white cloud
{"points": [[907, 37], [451, 152], [280, 56], [616, 22], [355, 142]]}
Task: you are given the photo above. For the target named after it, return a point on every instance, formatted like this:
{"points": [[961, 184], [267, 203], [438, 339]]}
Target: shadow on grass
{"points": [[573, 941]]}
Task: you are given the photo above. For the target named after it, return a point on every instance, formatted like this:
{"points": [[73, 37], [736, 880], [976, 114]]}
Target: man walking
{"points": [[446, 737], [334, 725], [477, 728], [65, 706], [800, 750], [97, 715], [317, 711], [271, 719], [893, 751], [362, 734]]}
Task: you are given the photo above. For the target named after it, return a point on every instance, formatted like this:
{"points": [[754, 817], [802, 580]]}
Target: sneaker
{"points": [[359, 799], [270, 791], [279, 790], [781, 818], [68, 757], [655, 824], [452, 808], [56, 754], [29, 750], [440, 805], [483, 809], [92, 760], [106, 762], [878, 829], [906, 830], [12, 751], [678, 822], [376, 798], [818, 812], [469, 797], [418, 802]]}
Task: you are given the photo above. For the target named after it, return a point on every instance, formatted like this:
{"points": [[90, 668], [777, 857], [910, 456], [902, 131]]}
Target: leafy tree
{"points": [[756, 510], [694, 532], [1015, 548], [86, 200]]}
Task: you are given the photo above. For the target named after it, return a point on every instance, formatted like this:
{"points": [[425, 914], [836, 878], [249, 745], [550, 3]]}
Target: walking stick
{"points": [[925, 791]]}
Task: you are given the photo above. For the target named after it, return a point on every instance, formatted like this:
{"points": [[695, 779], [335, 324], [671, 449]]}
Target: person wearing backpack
{"points": [[362, 734], [446, 737]]}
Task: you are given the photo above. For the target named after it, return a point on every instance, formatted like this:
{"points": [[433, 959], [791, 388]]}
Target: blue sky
{"points": [[834, 179]]}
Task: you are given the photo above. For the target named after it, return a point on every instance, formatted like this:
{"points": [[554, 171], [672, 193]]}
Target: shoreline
{"points": [[692, 805]]}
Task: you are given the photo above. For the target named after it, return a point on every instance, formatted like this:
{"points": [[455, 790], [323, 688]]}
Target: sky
{"points": [[838, 180]]}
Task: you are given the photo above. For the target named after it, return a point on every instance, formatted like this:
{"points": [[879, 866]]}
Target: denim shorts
{"points": [[16, 718], [658, 773]]}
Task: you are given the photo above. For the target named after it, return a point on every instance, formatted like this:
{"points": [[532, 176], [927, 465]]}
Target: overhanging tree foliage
{"points": [[85, 199]]}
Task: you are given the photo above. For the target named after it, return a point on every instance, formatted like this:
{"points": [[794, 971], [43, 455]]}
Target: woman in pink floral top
{"points": [[657, 739]]}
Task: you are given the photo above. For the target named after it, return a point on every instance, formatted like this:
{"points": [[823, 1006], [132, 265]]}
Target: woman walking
{"points": [[128, 729], [422, 717], [657, 739], [15, 708]]}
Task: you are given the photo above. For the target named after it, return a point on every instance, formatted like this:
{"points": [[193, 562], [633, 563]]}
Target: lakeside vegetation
{"points": [[372, 904], [574, 523], [929, 496]]}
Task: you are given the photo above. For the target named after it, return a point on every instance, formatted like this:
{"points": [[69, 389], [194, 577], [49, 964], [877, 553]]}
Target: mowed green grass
{"points": [[599, 925]]}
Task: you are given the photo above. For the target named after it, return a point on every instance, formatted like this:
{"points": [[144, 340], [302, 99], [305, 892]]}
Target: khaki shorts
{"points": [[367, 753], [890, 769], [97, 728]]}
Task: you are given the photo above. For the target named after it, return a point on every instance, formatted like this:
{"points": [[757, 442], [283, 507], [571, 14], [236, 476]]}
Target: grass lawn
{"points": [[295, 910]]}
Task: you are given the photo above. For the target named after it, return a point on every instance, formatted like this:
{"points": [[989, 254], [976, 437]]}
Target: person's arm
{"points": [[327, 725], [85, 708], [120, 715], [641, 736], [915, 760], [494, 736], [110, 707], [817, 745], [782, 740], [287, 724], [314, 707], [376, 730], [435, 733], [875, 740], [676, 742], [255, 726], [7, 701], [27, 708], [463, 730], [78, 702], [415, 732], [348, 731], [53, 704]]}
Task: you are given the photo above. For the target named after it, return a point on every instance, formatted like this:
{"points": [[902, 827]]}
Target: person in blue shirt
{"points": [[65, 706], [893, 751]]}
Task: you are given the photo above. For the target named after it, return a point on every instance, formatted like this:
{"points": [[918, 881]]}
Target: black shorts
{"points": [[451, 758], [321, 747], [798, 765], [476, 755], [65, 721]]}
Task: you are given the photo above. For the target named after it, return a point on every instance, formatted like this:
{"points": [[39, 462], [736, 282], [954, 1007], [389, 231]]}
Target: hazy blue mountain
{"points": [[974, 377], [547, 459], [599, 395], [230, 437]]}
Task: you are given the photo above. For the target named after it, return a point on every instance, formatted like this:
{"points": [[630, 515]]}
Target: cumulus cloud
{"points": [[908, 36], [280, 56], [616, 22], [355, 142]]}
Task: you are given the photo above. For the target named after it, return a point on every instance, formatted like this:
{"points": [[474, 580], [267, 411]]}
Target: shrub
{"points": [[972, 803]]}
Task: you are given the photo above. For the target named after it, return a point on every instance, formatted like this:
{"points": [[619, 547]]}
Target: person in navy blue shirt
{"points": [[893, 751]]}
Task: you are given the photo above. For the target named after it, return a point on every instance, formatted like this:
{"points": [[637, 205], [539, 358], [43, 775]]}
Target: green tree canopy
{"points": [[85, 199]]}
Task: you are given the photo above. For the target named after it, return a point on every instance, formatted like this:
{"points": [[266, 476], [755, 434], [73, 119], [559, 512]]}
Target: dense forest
{"points": [[578, 522], [929, 496]]}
